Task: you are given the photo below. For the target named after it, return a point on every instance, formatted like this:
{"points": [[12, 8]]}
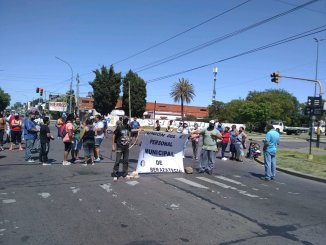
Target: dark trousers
{"points": [[195, 144], [45, 147], [2, 132], [224, 145], [123, 152]]}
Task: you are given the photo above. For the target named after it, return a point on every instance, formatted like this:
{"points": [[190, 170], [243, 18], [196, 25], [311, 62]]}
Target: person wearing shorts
{"points": [[68, 139], [99, 136], [87, 136]]}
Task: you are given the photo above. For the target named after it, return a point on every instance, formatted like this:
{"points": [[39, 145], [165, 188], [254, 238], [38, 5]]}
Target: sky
{"points": [[90, 34]]}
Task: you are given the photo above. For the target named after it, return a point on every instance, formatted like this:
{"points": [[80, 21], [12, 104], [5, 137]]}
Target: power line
{"points": [[181, 33], [285, 40], [219, 39]]}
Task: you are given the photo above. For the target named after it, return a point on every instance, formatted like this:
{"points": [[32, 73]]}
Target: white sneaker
{"points": [[224, 159], [66, 163], [46, 164], [97, 159], [30, 160]]}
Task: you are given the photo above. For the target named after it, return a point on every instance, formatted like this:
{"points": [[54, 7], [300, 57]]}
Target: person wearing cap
{"points": [[209, 148], [16, 132], [271, 141]]}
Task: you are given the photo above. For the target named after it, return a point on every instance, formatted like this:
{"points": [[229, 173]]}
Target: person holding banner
{"points": [[120, 144], [209, 148]]}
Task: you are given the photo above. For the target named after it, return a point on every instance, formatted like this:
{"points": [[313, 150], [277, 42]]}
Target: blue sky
{"points": [[89, 34]]}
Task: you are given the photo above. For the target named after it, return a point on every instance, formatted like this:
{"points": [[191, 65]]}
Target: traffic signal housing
{"points": [[37, 90], [41, 91], [275, 77]]}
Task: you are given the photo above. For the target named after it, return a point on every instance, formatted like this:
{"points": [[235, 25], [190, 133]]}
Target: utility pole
{"points": [[129, 100], [77, 94], [214, 90]]}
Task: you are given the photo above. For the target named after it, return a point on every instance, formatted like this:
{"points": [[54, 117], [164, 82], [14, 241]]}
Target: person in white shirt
{"points": [[99, 135]]}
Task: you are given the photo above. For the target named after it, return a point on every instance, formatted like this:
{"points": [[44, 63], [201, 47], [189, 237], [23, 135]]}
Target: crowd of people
{"points": [[89, 135]]}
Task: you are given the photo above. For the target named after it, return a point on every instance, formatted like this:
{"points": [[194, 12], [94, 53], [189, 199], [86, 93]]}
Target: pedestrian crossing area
{"points": [[220, 183]]}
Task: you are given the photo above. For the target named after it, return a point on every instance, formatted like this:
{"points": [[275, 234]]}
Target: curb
{"points": [[298, 174]]}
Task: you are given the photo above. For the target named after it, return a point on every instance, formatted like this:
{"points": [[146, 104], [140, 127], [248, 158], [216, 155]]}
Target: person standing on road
{"points": [[2, 130], [87, 136], [134, 131], [240, 144], [16, 132], [120, 144], [271, 141], [99, 136], [30, 135], [209, 148], [157, 126], [45, 137], [225, 142], [233, 140], [77, 140], [195, 142], [68, 138], [58, 125]]}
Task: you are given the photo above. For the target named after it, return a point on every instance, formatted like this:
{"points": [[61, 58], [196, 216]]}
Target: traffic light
{"points": [[41, 91], [37, 90], [275, 77]]}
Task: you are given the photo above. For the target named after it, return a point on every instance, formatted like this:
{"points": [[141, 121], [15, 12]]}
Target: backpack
{"points": [[62, 132]]}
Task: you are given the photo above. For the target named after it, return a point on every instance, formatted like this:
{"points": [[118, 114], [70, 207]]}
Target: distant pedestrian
{"points": [[157, 126], [271, 141], [170, 126], [99, 136], [45, 137], [77, 145], [8, 117], [209, 149], [225, 141], [120, 144], [58, 125], [134, 130], [87, 136], [68, 138], [30, 135], [233, 140], [240, 145], [2, 130], [16, 132], [195, 142]]}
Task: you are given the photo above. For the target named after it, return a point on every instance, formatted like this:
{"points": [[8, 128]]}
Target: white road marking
{"points": [[132, 183], [107, 187], [174, 206], [227, 186], [1, 230], [294, 193], [191, 183], [237, 176], [129, 206], [44, 194], [229, 180], [7, 201], [74, 189]]}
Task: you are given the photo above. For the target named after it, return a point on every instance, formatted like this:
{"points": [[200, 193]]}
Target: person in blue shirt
{"points": [[271, 141], [30, 135]]}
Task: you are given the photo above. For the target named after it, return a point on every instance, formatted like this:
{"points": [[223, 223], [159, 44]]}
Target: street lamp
{"points": [[317, 58], [214, 91], [72, 76]]}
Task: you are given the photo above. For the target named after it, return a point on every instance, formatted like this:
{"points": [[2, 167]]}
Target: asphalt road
{"points": [[82, 205]]}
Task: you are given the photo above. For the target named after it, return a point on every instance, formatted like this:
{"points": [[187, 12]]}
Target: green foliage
{"points": [[4, 100], [259, 107], [106, 89], [138, 94], [182, 91]]}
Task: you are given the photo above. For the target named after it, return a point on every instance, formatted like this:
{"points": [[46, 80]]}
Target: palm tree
{"points": [[182, 91]]}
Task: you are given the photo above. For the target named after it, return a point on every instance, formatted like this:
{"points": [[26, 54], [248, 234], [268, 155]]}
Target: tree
{"points": [[138, 94], [106, 89], [182, 91], [4, 100]]}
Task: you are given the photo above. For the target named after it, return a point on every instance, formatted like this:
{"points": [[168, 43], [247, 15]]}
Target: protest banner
{"points": [[57, 106], [161, 152]]}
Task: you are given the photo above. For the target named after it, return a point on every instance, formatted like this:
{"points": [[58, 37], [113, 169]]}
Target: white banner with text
{"points": [[161, 152]]}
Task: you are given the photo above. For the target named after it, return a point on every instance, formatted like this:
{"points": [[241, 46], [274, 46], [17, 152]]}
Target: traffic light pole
{"points": [[310, 156]]}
